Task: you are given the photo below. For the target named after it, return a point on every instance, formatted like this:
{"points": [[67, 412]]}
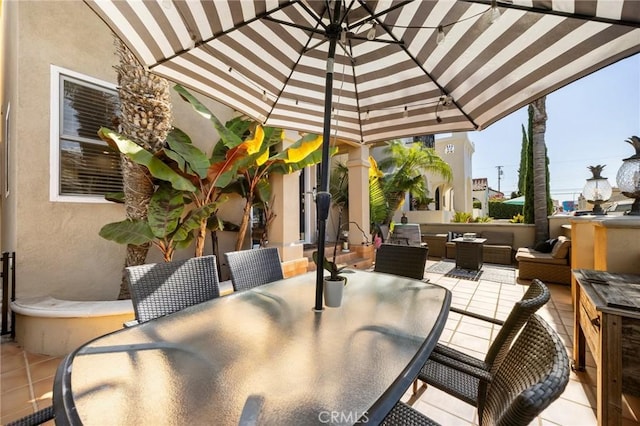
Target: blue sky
{"points": [[587, 124]]}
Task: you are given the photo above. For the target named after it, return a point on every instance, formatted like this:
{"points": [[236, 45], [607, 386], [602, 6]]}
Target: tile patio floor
{"points": [[27, 378]]}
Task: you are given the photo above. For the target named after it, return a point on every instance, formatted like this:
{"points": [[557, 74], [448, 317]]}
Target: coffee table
{"points": [[469, 253]]}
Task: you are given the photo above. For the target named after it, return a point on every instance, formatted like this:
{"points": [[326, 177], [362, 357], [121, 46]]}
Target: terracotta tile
{"points": [[43, 392], [13, 379], [12, 362], [16, 400], [35, 358], [9, 348], [44, 369]]}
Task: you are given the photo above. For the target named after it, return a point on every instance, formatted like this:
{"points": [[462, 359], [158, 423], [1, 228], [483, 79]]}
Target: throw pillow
{"points": [[561, 248], [543, 247]]}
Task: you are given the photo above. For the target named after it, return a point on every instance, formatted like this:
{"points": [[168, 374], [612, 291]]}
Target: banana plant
{"points": [[202, 180], [166, 227], [253, 172], [188, 172]]}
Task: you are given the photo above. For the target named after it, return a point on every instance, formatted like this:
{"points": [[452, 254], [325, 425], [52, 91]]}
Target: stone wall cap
{"points": [[47, 306]]}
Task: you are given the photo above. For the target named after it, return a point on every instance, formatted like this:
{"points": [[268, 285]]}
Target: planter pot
{"points": [[333, 292]]}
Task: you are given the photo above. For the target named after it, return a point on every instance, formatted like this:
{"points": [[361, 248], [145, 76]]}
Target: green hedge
{"points": [[500, 210]]}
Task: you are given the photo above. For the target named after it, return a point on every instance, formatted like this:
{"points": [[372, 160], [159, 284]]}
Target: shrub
{"points": [[519, 218]]}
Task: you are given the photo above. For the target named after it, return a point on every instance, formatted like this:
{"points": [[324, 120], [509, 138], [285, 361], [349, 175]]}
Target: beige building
{"points": [[457, 150]]}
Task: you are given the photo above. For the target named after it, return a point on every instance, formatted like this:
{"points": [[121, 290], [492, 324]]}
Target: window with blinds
{"points": [[87, 165]]}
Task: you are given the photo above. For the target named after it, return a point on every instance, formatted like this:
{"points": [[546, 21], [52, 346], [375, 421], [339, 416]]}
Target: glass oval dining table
{"points": [[261, 356]]}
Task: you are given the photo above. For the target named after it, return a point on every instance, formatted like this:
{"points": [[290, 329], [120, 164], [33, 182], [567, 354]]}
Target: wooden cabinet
{"points": [[607, 320]]}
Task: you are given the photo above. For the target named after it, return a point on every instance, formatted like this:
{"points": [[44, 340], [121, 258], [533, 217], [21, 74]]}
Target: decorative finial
{"points": [[596, 170], [635, 142]]}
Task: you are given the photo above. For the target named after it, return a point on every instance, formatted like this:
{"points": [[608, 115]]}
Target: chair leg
{"points": [[418, 390]]}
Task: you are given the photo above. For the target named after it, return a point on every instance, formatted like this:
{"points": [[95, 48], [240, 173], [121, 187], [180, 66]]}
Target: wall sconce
{"points": [[597, 190], [628, 178]]}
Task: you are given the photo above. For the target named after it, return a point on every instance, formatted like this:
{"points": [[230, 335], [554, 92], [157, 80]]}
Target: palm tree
{"points": [[540, 198], [145, 118], [407, 165]]}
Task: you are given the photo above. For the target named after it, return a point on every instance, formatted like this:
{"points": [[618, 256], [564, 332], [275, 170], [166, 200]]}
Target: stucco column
{"points": [[358, 165], [284, 232], [285, 229]]}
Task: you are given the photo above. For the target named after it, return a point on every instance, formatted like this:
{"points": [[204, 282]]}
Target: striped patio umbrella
{"points": [[369, 71]]}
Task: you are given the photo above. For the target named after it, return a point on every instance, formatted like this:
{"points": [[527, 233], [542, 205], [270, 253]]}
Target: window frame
{"points": [[57, 73]]}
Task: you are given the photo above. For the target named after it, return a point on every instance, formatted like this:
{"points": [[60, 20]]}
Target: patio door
{"points": [[307, 205]]}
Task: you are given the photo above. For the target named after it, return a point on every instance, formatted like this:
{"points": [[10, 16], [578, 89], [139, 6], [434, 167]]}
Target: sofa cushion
{"points": [[530, 255], [498, 238], [561, 248]]}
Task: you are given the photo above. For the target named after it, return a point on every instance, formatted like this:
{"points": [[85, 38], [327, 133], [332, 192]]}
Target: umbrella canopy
{"points": [[369, 71], [268, 59], [518, 201]]}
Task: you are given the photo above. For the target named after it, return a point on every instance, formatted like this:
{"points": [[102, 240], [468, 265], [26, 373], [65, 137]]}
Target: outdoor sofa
{"points": [[553, 266]]}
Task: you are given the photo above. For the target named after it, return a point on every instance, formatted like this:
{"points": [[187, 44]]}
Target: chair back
{"points": [[406, 233], [160, 289], [406, 261], [534, 298], [532, 376], [252, 268], [384, 233]]}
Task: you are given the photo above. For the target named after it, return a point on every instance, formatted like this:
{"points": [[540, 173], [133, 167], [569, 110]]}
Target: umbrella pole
{"points": [[323, 198]]}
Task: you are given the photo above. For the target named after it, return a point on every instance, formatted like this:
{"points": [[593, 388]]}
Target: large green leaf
{"points": [[378, 207], [183, 244], [239, 126], [192, 221], [230, 139], [181, 144], [136, 153], [116, 197], [165, 210], [263, 190], [134, 232]]}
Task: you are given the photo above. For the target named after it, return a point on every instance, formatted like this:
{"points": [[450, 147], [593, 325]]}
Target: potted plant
{"points": [[334, 283]]}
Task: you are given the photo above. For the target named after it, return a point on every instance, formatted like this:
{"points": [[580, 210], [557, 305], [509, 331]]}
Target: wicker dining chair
{"points": [[33, 419], [406, 261], [252, 268], [464, 376], [534, 373], [159, 289]]}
